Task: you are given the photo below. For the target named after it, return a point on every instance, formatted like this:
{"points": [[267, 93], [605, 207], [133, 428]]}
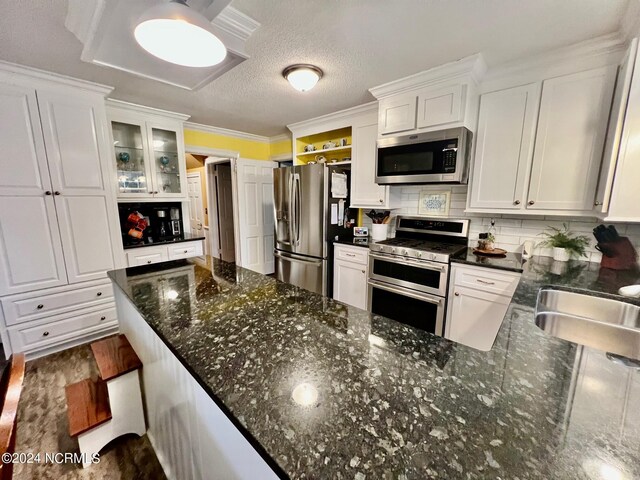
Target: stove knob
{"points": [[432, 256], [405, 252], [393, 250], [419, 254]]}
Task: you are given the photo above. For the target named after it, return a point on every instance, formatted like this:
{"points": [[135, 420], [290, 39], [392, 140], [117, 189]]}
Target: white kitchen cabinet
{"points": [[30, 248], [397, 114], [148, 152], [624, 203], [365, 192], [350, 275], [572, 124], [477, 303], [438, 107], [532, 159], [162, 253], [57, 210], [504, 147]]}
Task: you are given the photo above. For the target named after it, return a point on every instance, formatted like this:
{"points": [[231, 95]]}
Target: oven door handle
{"points": [[419, 263], [406, 293]]}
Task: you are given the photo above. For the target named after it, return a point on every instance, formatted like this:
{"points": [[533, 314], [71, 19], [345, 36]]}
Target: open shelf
{"points": [[325, 150]]}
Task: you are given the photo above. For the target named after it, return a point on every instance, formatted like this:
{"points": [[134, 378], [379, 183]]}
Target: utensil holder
{"points": [[379, 231]]}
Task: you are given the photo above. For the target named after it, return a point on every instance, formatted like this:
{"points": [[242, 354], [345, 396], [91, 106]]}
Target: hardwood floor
{"points": [[43, 426]]}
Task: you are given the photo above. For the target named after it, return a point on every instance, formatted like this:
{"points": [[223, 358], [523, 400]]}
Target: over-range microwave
{"points": [[431, 157]]}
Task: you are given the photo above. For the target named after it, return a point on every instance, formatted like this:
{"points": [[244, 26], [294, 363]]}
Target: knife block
{"points": [[618, 255]]}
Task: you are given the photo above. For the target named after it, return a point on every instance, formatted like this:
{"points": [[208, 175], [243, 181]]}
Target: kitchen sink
{"points": [[602, 323]]}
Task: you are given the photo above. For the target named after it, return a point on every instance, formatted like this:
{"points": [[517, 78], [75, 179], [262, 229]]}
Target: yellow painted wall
{"points": [[247, 148], [203, 193]]}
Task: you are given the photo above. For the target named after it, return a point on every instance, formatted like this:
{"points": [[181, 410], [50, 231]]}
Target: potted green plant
{"points": [[565, 244]]}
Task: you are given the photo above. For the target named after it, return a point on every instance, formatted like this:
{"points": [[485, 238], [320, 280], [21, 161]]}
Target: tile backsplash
{"points": [[511, 230]]}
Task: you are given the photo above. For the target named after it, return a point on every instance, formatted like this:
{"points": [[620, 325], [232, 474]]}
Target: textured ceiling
{"points": [[358, 43]]}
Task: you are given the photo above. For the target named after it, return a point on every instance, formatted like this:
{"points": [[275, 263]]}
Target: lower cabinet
{"points": [[163, 253], [350, 275], [478, 301], [42, 322]]}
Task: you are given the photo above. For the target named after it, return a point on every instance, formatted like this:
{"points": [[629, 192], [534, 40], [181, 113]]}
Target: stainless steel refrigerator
{"points": [[303, 226]]}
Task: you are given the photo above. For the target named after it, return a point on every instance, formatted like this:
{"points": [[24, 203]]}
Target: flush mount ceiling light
{"points": [[177, 34], [302, 77]]}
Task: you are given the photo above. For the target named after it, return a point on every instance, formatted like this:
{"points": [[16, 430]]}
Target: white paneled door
{"points": [[196, 211], [255, 211], [74, 136], [30, 247]]}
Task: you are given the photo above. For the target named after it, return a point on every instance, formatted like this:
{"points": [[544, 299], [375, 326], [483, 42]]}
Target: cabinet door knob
{"points": [[597, 204], [381, 201], [457, 294], [56, 193], [186, 251], [40, 307], [148, 261], [363, 271], [531, 202], [516, 202], [99, 294], [48, 192], [103, 318], [45, 334]]}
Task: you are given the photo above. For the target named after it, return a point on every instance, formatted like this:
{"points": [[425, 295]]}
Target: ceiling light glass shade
{"points": [[302, 77], [177, 34]]}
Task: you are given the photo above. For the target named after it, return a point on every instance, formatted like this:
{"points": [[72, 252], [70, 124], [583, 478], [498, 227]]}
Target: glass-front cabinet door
{"points": [[130, 158], [166, 162]]}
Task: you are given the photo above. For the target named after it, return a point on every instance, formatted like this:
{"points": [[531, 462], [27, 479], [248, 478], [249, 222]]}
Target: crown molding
{"points": [[599, 46], [198, 127], [280, 138], [236, 23], [122, 105], [473, 67], [13, 70], [345, 114]]}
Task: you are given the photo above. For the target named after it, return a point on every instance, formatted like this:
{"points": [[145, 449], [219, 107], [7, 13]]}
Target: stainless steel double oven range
{"points": [[409, 274]]}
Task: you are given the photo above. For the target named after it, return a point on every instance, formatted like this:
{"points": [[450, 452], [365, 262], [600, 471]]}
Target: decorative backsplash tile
{"points": [[511, 230]]}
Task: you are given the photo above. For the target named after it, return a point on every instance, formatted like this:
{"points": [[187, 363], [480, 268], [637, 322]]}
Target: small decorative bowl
{"points": [[124, 157], [164, 160]]}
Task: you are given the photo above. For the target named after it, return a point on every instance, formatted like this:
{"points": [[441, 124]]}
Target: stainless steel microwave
{"points": [[431, 157]]}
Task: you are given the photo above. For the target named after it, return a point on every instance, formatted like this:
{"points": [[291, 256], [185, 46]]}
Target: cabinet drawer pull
{"points": [[103, 318], [457, 294], [56, 193], [597, 204], [516, 202], [99, 294], [531, 202], [40, 307], [186, 251], [485, 282], [48, 192], [381, 201], [45, 334], [148, 261], [350, 254]]}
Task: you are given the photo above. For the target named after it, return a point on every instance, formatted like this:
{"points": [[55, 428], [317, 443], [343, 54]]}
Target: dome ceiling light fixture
{"points": [[302, 77], [175, 33]]}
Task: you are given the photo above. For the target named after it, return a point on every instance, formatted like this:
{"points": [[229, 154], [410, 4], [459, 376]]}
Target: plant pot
{"points": [[379, 231], [561, 254]]}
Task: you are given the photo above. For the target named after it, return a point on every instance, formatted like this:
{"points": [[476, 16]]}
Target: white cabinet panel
{"points": [[146, 256], [504, 147], [365, 192], [30, 248], [569, 141], [23, 163], [86, 235], [350, 275], [476, 317], [72, 132], [441, 106], [185, 250], [397, 114]]}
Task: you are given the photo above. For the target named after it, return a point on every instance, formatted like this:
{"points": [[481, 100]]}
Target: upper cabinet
{"points": [[443, 97], [539, 146], [365, 192], [148, 152]]}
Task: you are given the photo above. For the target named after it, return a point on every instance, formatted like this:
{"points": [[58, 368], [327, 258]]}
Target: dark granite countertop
{"points": [[511, 262], [386, 401], [185, 237], [354, 241]]}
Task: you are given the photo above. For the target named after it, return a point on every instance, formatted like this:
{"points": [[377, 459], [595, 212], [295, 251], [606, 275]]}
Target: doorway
{"points": [[222, 210], [196, 204]]}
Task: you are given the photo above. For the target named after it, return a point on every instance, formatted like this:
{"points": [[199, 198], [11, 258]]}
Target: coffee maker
{"points": [[174, 223], [162, 225]]}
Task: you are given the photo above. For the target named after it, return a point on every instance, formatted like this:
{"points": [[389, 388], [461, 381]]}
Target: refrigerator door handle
{"points": [[291, 211], [296, 258], [296, 182]]}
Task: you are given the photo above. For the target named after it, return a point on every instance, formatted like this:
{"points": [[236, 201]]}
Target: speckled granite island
{"points": [[326, 391]]}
